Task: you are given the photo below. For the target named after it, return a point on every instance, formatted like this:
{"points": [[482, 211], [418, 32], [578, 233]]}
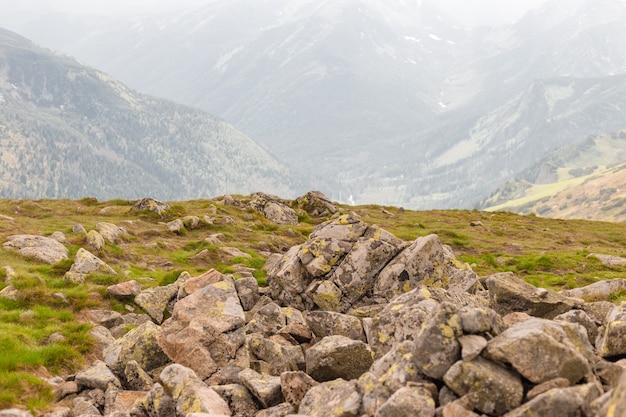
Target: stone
{"points": [[155, 301], [136, 378], [106, 318], [176, 226], [124, 290], [191, 222], [408, 402], [94, 240], [65, 389], [565, 402], [44, 249], [338, 357], [316, 204], [85, 263], [119, 402], [328, 323], [59, 237], [608, 260], [232, 252], [436, 344], [280, 410], [10, 293], [582, 318], [397, 368], [83, 407], [238, 398], [508, 293], [206, 329], [274, 209], [279, 356], [267, 320], [425, 262], [493, 388], [248, 291], [612, 340], [546, 386], [481, 320], [265, 388], [616, 404], [598, 291], [471, 346], [139, 344], [188, 284], [79, 229], [337, 398], [295, 385], [327, 296], [190, 393], [540, 350], [150, 204], [157, 403], [110, 232]]}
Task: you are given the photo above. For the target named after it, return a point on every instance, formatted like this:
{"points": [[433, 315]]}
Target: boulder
{"points": [[238, 398], [44, 249], [508, 294], [426, 262], [540, 350], [408, 402], [124, 290], [608, 260], [268, 320], [612, 341], [598, 291], [436, 344], [562, 402], [248, 291], [190, 393], [493, 389], [150, 204], [139, 344], [206, 329], [176, 226], [338, 398], [316, 204], [328, 323], [294, 386], [111, 232], [338, 357], [274, 209], [155, 301], [85, 263], [265, 388], [94, 240], [280, 356], [617, 401], [136, 378], [98, 376]]}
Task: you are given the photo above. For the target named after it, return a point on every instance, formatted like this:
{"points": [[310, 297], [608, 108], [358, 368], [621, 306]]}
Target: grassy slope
{"points": [[546, 252]]}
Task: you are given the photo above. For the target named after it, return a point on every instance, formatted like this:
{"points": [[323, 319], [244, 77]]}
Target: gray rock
{"points": [[267, 320], [274, 209], [582, 318], [97, 376], [248, 291], [206, 329], [493, 388], [15, 412], [408, 402], [191, 222], [436, 344], [10, 293], [280, 356], [265, 388], [294, 386], [336, 398], [238, 398], [86, 262], [508, 294], [158, 403], [106, 318], [136, 378], [598, 291], [176, 226], [316, 204], [190, 393], [110, 232], [139, 344], [44, 249], [124, 290], [612, 341], [539, 350], [155, 301], [608, 260], [95, 240], [79, 229], [150, 204], [329, 323], [564, 402], [338, 357], [471, 346]]}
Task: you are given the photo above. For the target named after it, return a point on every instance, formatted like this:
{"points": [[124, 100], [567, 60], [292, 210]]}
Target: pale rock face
{"points": [[45, 249], [206, 329]]}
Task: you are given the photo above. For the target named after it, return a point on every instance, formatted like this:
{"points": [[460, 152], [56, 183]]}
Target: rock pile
{"points": [[356, 322]]}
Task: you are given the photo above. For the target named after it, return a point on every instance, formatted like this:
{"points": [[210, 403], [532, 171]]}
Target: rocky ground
{"points": [[353, 322]]}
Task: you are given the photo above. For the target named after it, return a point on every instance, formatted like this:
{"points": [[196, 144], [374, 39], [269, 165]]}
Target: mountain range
{"points": [[68, 131], [387, 102]]}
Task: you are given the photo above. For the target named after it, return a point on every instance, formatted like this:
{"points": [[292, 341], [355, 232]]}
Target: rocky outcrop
{"points": [[44, 249], [274, 209], [355, 322], [150, 204]]}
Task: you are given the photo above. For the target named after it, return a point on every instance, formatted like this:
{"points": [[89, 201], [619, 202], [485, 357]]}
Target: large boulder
{"points": [[274, 209], [598, 291], [337, 398], [139, 344], [44, 249], [338, 357], [493, 389], [110, 232], [328, 323], [426, 262], [540, 350], [563, 402], [316, 204], [206, 329], [85, 263], [612, 341], [155, 301], [190, 393], [150, 204], [508, 294]]}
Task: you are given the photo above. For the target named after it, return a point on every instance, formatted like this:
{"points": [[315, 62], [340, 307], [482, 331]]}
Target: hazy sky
{"points": [[470, 12]]}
